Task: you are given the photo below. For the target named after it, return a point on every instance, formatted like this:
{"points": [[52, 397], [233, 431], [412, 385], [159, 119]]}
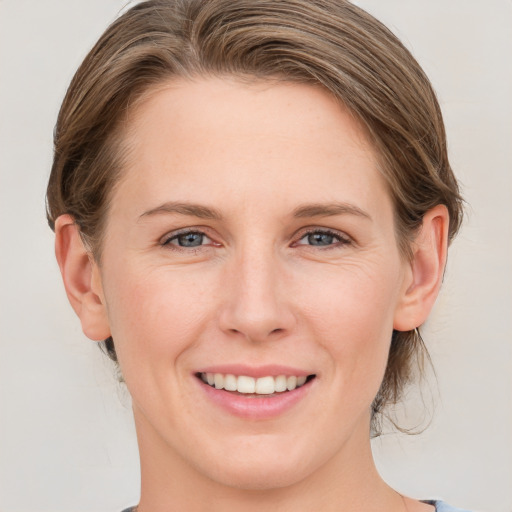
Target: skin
{"points": [[256, 291]]}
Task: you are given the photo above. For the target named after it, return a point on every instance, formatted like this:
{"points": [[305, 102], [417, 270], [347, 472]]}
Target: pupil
{"points": [[190, 240], [320, 239]]}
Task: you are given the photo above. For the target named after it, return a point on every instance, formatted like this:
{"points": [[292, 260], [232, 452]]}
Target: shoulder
{"points": [[441, 506]]}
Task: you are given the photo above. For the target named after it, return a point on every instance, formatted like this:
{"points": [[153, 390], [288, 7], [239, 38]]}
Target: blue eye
{"points": [[188, 239], [319, 238]]}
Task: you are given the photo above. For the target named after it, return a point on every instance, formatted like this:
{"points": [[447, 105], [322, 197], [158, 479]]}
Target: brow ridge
{"points": [[183, 208], [302, 211], [328, 210]]}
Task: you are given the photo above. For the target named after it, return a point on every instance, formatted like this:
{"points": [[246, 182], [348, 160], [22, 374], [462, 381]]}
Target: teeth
{"points": [[280, 383], [291, 383], [230, 383], [219, 381], [265, 386], [250, 385], [246, 384], [301, 381]]}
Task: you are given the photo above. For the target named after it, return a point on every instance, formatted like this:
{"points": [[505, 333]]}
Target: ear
{"points": [[425, 271], [82, 279]]}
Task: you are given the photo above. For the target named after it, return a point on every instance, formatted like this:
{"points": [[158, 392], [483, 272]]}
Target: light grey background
{"points": [[66, 436]]}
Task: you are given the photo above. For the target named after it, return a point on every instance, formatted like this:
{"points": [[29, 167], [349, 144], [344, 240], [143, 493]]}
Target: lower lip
{"points": [[260, 407]]}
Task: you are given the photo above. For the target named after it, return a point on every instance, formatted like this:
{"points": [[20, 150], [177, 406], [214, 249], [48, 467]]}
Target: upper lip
{"points": [[267, 370]]}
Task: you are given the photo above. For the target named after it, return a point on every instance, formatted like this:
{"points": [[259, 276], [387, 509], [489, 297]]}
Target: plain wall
{"points": [[67, 441]]}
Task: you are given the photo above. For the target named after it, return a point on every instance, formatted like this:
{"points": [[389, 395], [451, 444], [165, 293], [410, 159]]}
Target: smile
{"points": [[247, 385], [255, 393]]}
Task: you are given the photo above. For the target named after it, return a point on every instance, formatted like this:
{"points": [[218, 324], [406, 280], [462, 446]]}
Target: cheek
{"points": [[351, 313], [354, 298], [155, 315]]}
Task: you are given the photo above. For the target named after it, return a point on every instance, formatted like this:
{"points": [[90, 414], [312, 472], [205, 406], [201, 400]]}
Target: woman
{"points": [[252, 204]]}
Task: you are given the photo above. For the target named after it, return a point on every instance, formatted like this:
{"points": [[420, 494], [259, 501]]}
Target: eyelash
{"points": [[340, 240], [174, 236]]}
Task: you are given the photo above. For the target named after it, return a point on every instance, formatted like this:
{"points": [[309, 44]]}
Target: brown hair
{"points": [[331, 43]]}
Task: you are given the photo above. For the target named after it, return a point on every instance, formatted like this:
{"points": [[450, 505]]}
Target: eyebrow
{"points": [[329, 210], [303, 211], [190, 209]]}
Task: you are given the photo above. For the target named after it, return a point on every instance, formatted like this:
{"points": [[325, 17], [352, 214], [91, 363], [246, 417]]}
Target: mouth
{"points": [[248, 386]]}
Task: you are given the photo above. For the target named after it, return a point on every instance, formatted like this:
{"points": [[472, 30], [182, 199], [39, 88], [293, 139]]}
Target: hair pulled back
{"points": [[330, 43]]}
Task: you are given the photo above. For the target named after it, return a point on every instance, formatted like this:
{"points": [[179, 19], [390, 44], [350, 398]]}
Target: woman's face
{"points": [[251, 238]]}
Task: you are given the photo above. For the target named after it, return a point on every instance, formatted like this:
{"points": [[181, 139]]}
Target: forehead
{"points": [[207, 137]]}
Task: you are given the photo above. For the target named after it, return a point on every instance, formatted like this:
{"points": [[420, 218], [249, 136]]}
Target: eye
{"points": [[188, 239], [323, 238]]}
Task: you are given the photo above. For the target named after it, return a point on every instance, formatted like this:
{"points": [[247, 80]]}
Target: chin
{"points": [[260, 477], [262, 468]]}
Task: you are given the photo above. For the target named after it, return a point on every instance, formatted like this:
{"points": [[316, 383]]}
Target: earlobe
{"points": [[82, 281], [426, 270]]}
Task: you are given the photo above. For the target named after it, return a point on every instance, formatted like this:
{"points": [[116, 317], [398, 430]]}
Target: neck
{"points": [[348, 481]]}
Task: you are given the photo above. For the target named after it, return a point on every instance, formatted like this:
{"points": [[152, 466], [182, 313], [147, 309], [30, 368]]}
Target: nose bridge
{"points": [[255, 305]]}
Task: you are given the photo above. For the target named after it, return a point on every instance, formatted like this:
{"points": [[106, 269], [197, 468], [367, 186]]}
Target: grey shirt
{"points": [[441, 506]]}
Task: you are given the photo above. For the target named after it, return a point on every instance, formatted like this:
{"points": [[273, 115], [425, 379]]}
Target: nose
{"points": [[256, 304]]}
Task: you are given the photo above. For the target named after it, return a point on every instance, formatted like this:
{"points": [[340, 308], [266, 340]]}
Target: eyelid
{"points": [[341, 237], [166, 239]]}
